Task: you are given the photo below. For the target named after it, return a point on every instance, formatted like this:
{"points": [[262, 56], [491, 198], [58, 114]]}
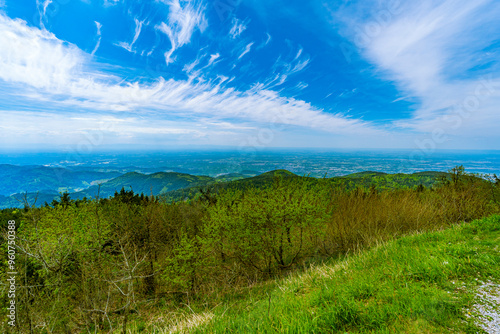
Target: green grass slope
{"points": [[422, 283]]}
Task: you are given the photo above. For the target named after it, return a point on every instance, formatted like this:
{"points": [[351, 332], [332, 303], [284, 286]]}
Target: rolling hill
{"points": [[172, 186], [21, 179], [156, 184], [381, 181]]}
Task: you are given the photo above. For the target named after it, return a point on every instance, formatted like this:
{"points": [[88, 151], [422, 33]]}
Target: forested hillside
{"points": [[178, 186], [151, 184], [51, 184], [377, 180], [102, 265], [21, 179]]}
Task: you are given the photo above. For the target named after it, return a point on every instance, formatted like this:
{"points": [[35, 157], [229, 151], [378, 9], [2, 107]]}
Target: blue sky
{"points": [[163, 74]]}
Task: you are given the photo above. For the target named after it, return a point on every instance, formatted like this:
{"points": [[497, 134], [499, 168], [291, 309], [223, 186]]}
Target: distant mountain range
{"points": [[157, 183], [40, 184], [21, 179], [44, 184]]}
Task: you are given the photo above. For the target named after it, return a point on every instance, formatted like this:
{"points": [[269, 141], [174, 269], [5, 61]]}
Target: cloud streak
{"points": [[60, 74], [182, 22], [237, 28], [98, 26], [432, 51], [247, 49], [129, 46]]}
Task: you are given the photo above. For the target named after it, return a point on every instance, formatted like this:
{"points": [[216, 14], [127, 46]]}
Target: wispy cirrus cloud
{"points": [[129, 46], [283, 68], [435, 52], [57, 73], [183, 19], [189, 68], [213, 59], [109, 3], [98, 43], [267, 41], [247, 49], [298, 64], [42, 6], [237, 27]]}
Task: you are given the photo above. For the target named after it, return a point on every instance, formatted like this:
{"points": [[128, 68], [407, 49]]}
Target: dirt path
{"points": [[487, 308]]}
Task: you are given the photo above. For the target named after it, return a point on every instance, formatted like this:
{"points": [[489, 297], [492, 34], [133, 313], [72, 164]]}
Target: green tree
{"points": [[268, 228]]}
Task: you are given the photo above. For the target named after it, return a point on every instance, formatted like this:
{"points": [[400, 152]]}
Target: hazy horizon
{"points": [[301, 161]]}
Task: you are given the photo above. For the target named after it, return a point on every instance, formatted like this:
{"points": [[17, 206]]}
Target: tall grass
{"points": [[423, 283]]}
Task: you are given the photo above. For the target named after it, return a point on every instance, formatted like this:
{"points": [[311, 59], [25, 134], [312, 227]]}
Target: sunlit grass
{"points": [[423, 283]]}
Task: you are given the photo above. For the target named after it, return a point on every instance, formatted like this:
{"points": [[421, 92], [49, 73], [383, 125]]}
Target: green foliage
{"points": [[422, 283], [364, 180], [99, 265], [270, 228]]}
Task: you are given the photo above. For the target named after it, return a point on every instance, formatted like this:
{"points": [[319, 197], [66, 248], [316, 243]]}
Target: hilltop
{"points": [[381, 181]]}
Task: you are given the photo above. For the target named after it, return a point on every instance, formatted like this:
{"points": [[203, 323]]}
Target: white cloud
{"points": [[46, 4], [36, 57], [99, 26], [129, 46], [430, 49], [42, 6], [283, 69], [88, 130], [299, 53], [266, 42], [225, 125], [182, 22], [237, 27], [301, 86], [299, 66], [59, 74], [108, 3], [198, 73], [247, 50], [292, 66], [213, 59], [188, 68]]}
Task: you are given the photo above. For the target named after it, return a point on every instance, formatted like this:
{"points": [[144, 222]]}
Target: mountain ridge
{"points": [[173, 186]]}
